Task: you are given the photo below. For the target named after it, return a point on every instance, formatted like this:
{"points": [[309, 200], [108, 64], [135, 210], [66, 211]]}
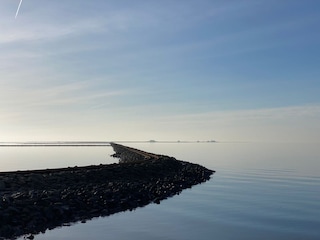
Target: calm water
{"points": [[260, 191]]}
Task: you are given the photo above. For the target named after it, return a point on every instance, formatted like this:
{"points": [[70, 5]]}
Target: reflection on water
{"points": [[258, 192], [30, 158]]}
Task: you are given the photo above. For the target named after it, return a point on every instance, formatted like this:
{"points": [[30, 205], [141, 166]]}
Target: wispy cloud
{"points": [[64, 96], [251, 115], [51, 32], [295, 123]]}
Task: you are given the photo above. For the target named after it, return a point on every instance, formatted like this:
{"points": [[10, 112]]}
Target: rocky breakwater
{"points": [[34, 201], [128, 154]]}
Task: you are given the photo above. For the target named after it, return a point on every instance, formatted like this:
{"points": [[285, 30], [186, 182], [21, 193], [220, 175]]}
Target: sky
{"points": [[242, 70]]}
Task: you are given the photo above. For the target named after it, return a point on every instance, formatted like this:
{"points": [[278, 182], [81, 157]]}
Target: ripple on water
{"points": [[279, 201], [234, 204]]}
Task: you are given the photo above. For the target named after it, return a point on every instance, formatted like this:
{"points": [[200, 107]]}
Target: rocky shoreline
{"points": [[34, 201]]}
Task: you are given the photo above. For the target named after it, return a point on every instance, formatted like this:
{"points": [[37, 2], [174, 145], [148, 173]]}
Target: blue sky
{"points": [[165, 70]]}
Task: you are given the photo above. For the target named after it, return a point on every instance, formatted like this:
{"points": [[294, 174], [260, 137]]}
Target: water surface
{"points": [[259, 191]]}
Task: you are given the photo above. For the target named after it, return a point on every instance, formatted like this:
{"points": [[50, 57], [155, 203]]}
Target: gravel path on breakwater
{"points": [[34, 201]]}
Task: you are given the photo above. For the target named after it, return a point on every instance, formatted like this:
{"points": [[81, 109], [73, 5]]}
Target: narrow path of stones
{"points": [[34, 201], [128, 154]]}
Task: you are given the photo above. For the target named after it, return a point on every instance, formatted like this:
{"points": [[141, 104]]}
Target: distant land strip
{"points": [[54, 144], [85, 143]]}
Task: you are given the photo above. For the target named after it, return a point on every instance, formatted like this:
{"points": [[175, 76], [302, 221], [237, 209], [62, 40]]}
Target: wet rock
{"points": [[30, 237], [2, 185], [45, 199]]}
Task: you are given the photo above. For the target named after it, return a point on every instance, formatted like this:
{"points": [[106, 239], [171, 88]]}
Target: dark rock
{"points": [[2, 185], [44, 199], [30, 237]]}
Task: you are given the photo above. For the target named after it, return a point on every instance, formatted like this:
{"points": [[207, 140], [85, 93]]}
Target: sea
{"points": [[259, 191]]}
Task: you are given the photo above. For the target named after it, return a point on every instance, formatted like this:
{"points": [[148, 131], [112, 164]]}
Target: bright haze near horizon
{"points": [[164, 70]]}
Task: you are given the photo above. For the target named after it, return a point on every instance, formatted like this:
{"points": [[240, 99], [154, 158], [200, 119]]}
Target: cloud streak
{"points": [[17, 12], [66, 96], [51, 32], [251, 115]]}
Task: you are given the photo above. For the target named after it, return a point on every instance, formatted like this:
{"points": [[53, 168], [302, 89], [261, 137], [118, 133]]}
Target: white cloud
{"points": [[51, 32], [257, 114], [64, 95]]}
